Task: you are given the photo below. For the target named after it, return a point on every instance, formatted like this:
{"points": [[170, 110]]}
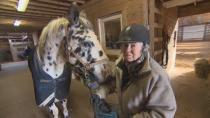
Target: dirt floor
{"points": [[192, 94], [17, 96]]}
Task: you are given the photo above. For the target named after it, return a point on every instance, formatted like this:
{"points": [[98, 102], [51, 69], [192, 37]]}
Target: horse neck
{"points": [[52, 50], [53, 61]]}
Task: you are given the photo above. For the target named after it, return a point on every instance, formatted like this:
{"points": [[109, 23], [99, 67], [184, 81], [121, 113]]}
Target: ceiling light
{"points": [[17, 23], [22, 4]]}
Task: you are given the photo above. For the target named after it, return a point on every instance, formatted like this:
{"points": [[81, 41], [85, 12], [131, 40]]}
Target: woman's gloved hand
{"points": [[100, 105]]}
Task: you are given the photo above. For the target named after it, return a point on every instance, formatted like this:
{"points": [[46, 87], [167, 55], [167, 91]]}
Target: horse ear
{"points": [[74, 14]]}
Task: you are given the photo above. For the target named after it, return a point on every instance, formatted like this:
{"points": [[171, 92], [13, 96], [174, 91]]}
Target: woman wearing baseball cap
{"points": [[145, 87]]}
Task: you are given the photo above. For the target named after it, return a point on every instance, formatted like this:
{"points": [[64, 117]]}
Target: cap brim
{"points": [[119, 42]]}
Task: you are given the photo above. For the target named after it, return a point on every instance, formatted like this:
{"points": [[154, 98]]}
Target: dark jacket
{"points": [[145, 92], [46, 88]]}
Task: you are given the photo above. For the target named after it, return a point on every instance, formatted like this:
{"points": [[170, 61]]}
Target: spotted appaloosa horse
{"points": [[51, 71], [62, 41], [89, 61]]}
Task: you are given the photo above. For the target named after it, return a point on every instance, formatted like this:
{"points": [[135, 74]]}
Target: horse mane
{"points": [[49, 32]]}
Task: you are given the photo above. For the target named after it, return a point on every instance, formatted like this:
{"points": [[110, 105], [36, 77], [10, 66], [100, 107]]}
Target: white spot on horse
{"points": [[54, 109]]}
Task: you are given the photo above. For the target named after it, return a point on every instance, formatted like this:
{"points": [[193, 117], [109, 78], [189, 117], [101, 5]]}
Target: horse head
{"points": [[85, 51]]}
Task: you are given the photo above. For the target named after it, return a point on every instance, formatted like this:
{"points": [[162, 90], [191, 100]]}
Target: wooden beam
{"points": [[33, 3], [27, 14], [10, 21], [11, 28], [33, 8], [34, 11], [8, 3], [25, 21], [175, 3], [67, 4], [22, 17], [6, 7], [200, 8], [38, 4], [91, 2], [77, 1], [45, 9]]}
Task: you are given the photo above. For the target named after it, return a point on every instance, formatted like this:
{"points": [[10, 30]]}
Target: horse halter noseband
{"points": [[85, 72], [86, 67]]}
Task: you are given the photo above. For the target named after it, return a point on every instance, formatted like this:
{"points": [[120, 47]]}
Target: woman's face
{"points": [[131, 51]]}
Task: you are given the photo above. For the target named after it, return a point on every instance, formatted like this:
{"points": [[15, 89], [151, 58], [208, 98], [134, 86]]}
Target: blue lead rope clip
{"points": [[93, 85]]}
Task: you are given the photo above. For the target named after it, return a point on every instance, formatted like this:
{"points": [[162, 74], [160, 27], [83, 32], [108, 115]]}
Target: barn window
{"points": [[109, 28]]}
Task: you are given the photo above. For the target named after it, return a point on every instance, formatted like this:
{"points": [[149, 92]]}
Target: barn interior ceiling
{"points": [[37, 14], [40, 12]]}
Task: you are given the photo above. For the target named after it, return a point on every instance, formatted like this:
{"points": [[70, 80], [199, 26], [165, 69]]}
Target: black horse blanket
{"points": [[46, 88]]}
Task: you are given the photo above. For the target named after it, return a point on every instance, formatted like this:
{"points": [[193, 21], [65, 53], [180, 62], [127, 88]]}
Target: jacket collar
{"points": [[146, 67]]}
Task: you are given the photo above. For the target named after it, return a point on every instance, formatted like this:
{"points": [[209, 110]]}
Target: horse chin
{"points": [[100, 77]]}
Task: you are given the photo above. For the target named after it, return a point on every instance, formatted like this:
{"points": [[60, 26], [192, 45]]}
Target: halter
{"points": [[86, 66]]}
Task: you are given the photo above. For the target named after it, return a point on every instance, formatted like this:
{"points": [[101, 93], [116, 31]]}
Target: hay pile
{"points": [[202, 68]]}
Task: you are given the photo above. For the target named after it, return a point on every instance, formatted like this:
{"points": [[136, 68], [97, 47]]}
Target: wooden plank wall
{"points": [[161, 19], [131, 10], [198, 19], [156, 27], [199, 8], [136, 11], [170, 18], [206, 32], [4, 44], [5, 54], [18, 45]]}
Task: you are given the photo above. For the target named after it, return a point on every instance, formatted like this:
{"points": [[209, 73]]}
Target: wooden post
{"points": [[205, 32], [151, 26], [180, 33], [209, 60]]}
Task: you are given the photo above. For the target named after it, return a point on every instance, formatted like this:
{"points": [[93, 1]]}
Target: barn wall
{"points": [[5, 54], [195, 19], [163, 23], [155, 27], [197, 25], [4, 44], [171, 23], [132, 10], [137, 11], [199, 8]]}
